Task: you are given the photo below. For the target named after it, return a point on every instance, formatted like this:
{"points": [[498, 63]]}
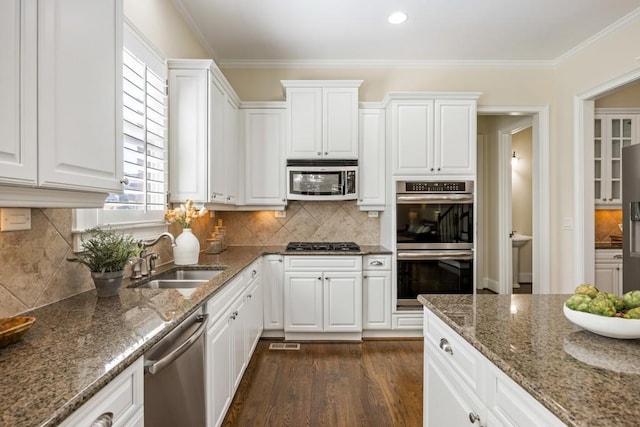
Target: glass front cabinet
{"points": [[612, 132]]}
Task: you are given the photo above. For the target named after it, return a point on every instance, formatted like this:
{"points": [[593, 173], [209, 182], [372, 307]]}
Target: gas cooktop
{"points": [[323, 246]]}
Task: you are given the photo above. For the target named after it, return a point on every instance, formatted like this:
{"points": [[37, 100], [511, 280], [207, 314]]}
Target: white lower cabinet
{"points": [[323, 294], [608, 271], [450, 403], [462, 387], [273, 291], [119, 403], [236, 326], [376, 292]]}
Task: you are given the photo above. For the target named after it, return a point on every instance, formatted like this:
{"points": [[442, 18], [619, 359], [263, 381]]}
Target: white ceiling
{"points": [[437, 30]]}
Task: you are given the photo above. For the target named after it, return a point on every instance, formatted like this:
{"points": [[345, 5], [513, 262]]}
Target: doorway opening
{"points": [[496, 176]]}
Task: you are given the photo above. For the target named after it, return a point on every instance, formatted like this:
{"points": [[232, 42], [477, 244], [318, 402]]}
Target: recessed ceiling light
{"points": [[397, 18]]}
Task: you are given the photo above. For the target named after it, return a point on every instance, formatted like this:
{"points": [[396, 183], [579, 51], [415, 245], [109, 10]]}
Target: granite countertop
{"points": [[79, 344], [583, 378]]}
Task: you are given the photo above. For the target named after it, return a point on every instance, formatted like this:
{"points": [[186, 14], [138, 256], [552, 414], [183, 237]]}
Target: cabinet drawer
{"points": [[407, 321], [509, 404], [459, 354], [376, 262], [323, 263], [225, 296], [122, 397]]}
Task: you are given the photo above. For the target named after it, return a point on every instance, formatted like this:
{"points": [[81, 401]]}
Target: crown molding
{"points": [[599, 36], [382, 64], [182, 10]]}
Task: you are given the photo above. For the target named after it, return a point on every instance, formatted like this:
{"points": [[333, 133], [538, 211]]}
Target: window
{"points": [[140, 208]]}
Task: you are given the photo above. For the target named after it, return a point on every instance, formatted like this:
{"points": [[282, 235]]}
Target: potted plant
{"points": [[106, 254]]}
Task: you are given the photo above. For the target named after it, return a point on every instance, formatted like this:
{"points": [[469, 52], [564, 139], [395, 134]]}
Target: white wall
{"points": [[522, 194]]}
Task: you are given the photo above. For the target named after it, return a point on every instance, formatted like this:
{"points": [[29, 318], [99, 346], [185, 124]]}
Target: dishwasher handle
{"points": [[154, 366]]}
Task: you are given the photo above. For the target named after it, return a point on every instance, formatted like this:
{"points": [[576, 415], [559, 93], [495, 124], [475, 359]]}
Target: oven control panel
{"points": [[434, 187]]}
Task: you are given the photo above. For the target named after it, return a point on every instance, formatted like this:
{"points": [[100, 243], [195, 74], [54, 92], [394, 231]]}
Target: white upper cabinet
{"points": [[203, 133], [433, 134], [61, 109], [612, 132], [322, 119], [371, 192], [19, 144], [264, 175]]}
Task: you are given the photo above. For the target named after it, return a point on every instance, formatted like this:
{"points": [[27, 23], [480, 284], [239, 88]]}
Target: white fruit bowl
{"points": [[612, 327]]}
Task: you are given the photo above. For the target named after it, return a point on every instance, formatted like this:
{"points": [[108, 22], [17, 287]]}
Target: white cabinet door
{"points": [[273, 286], [264, 157], [219, 370], [239, 319], [412, 137], [230, 150], [376, 300], [18, 103], [303, 302], [608, 277], [342, 302], [217, 162], [340, 123], [254, 323], [188, 135], [304, 123], [371, 192], [79, 64], [455, 137], [447, 401]]}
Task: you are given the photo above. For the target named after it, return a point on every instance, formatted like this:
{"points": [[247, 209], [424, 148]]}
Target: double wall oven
{"points": [[434, 239]]}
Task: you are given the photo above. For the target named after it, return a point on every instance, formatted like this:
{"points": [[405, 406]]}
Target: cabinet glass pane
{"points": [[597, 191], [615, 190], [597, 149], [615, 128], [597, 131], [626, 142], [615, 148], [626, 128], [597, 169], [615, 169]]}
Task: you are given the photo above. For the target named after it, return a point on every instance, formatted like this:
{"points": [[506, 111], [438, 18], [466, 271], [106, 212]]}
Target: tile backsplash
{"points": [[606, 224], [35, 271], [304, 221]]}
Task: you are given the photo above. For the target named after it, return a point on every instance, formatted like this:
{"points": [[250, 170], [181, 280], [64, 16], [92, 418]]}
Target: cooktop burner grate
{"points": [[323, 247]]}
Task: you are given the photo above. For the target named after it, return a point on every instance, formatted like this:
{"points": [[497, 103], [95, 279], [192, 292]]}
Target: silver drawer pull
{"points": [[104, 420], [376, 263], [617, 257], [444, 345]]}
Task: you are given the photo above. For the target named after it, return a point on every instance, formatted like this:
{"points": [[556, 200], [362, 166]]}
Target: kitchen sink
{"points": [[189, 275], [181, 279]]}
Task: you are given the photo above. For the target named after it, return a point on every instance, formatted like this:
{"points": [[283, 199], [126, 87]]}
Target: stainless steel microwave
{"points": [[322, 180]]}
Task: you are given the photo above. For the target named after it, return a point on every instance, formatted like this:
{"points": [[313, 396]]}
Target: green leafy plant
{"points": [[107, 251]]}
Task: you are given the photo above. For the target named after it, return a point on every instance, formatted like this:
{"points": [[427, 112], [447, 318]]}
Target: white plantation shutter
{"points": [[145, 133]]}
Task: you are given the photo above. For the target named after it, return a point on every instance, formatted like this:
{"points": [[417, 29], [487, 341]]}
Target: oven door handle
{"points": [[434, 198], [434, 255]]}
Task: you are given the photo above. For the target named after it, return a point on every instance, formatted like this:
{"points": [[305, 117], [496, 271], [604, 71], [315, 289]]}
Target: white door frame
{"points": [[505, 219], [583, 134], [541, 207]]}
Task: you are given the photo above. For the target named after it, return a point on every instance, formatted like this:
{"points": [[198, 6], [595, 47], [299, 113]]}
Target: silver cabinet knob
{"points": [[445, 346], [319, 153], [438, 169], [376, 263], [326, 153], [431, 169], [124, 181], [473, 417]]}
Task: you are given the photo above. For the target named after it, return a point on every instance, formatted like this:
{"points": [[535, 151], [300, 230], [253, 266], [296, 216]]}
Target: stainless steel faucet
{"points": [[146, 262]]}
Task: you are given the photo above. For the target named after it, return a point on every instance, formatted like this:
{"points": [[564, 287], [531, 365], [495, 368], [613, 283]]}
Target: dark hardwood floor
{"points": [[372, 383]]}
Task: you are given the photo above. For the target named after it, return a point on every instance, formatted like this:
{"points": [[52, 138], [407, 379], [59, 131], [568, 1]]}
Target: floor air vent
{"points": [[284, 346]]}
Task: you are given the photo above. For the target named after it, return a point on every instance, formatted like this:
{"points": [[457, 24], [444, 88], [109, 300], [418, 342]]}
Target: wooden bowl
{"points": [[13, 328]]}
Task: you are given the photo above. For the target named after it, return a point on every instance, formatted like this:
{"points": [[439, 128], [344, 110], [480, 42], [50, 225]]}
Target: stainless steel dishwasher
{"points": [[174, 377]]}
